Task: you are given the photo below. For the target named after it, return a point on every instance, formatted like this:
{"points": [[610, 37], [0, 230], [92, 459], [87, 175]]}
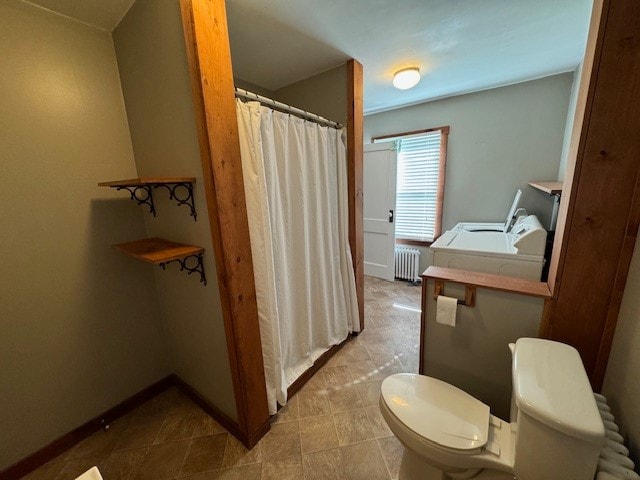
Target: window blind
{"points": [[417, 186]]}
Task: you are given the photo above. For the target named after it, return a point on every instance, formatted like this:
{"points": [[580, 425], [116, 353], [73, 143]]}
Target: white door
{"points": [[379, 192]]}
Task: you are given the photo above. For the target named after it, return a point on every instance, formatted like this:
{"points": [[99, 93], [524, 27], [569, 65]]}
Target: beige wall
{"points": [[622, 381], [77, 320], [324, 94], [568, 130], [155, 80], [252, 87], [500, 139], [474, 355]]}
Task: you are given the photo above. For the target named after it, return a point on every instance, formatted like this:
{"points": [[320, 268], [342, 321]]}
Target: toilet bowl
{"points": [[556, 430], [444, 430]]}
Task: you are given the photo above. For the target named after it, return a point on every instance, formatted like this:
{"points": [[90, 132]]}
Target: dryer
{"points": [[518, 253]]}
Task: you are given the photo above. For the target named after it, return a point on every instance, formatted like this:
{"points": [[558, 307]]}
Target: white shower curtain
{"points": [[295, 179]]}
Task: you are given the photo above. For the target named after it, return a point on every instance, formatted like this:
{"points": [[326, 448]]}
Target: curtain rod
{"points": [[240, 92]]}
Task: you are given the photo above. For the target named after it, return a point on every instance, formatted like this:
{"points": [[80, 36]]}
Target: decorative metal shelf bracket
{"points": [[198, 267], [181, 192], [141, 194]]}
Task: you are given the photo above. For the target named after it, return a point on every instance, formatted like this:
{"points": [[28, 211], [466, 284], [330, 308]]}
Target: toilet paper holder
{"points": [[469, 293]]}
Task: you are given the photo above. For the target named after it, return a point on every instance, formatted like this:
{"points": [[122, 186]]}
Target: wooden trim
{"points": [[543, 330], [355, 161], [320, 362], [68, 440], [214, 412], [601, 215], [415, 243], [617, 290], [444, 130], [489, 281], [442, 169], [208, 52]]}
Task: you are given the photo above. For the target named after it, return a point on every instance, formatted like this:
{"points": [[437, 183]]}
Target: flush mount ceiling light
{"points": [[406, 78]]}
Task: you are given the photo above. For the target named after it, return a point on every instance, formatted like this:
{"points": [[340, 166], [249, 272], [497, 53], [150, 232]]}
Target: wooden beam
{"points": [[583, 109], [207, 44], [355, 155], [602, 213]]}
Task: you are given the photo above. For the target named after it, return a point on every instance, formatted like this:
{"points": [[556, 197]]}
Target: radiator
{"points": [[407, 263], [614, 460]]}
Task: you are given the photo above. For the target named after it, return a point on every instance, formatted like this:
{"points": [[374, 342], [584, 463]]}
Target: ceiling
{"points": [[104, 14], [460, 46]]}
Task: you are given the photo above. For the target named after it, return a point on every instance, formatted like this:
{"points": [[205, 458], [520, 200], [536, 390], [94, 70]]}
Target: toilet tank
{"points": [[559, 432]]}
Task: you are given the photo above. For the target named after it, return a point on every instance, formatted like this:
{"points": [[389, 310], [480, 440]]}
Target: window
{"points": [[420, 179], [421, 160]]}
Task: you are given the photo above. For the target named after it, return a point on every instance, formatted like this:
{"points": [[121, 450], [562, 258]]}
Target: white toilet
{"points": [[555, 432]]}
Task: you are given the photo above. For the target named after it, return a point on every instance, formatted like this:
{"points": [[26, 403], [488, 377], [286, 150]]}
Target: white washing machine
{"points": [[512, 214], [518, 253]]}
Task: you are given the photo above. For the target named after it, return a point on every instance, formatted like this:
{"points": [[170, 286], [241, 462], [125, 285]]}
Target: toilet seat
{"points": [[437, 411]]}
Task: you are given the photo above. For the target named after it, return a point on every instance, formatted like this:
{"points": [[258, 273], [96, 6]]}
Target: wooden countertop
{"points": [[489, 281]]}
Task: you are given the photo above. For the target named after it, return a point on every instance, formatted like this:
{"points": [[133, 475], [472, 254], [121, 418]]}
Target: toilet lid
{"points": [[437, 411]]}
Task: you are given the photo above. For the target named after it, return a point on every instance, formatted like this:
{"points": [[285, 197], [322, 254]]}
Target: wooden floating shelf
{"points": [[159, 251], [133, 182], [141, 190], [552, 188]]}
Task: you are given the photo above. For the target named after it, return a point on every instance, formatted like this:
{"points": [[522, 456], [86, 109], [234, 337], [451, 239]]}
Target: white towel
{"points": [[446, 310]]}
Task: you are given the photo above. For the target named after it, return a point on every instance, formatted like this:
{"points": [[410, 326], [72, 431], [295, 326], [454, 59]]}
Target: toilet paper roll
{"points": [[446, 310]]}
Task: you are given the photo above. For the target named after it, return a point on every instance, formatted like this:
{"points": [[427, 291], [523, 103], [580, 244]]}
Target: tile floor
{"points": [[331, 429]]}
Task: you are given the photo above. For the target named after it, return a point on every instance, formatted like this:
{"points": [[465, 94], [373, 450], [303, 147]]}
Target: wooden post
{"points": [[355, 149], [599, 219], [207, 43]]}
